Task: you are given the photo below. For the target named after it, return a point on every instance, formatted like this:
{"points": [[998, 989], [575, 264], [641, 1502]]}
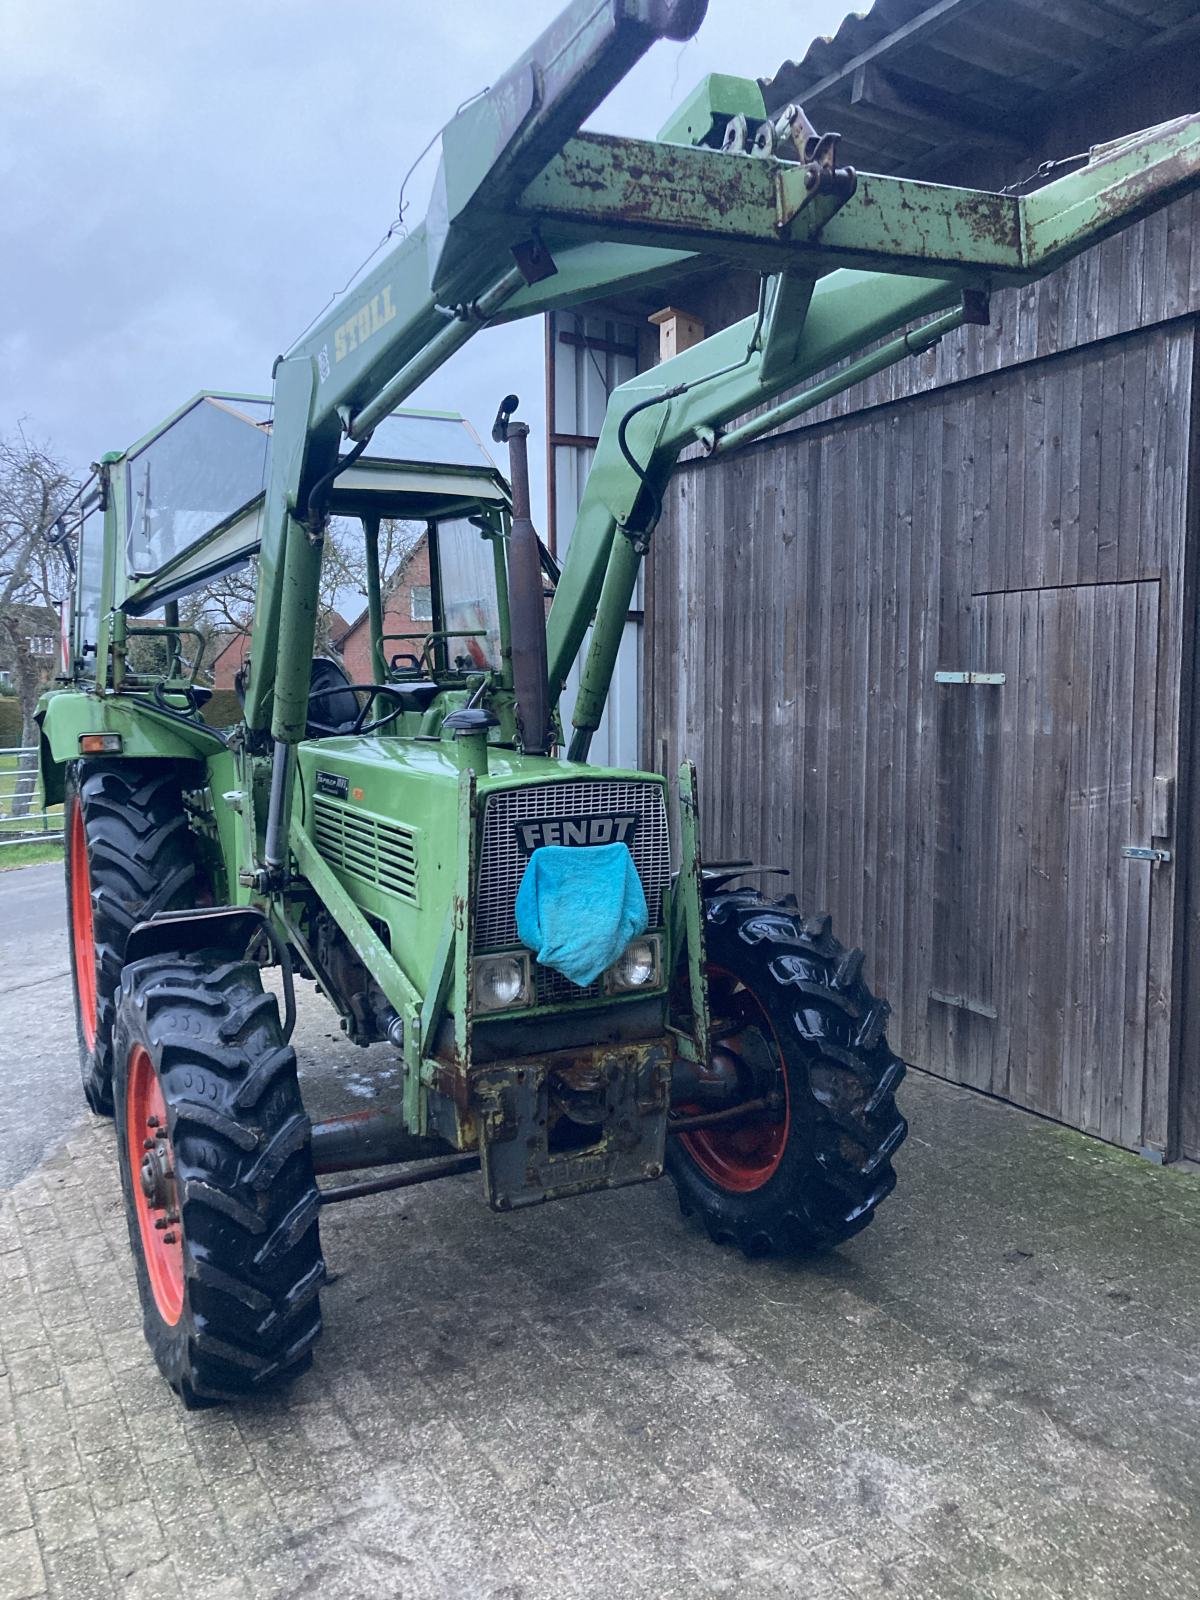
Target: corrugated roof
{"points": [[911, 86]]}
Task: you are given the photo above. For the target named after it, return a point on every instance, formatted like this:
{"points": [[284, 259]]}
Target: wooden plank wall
{"points": [[802, 594]]}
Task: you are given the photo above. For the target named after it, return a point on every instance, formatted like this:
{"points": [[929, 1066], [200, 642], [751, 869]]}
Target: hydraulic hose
{"points": [[640, 537], [621, 574], [318, 497]]}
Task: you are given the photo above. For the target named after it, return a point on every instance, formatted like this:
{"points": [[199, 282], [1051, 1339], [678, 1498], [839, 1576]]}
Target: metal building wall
{"points": [[588, 356], [1017, 503]]}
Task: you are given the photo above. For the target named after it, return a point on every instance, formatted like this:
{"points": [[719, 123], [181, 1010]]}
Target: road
{"points": [[991, 1394], [42, 1100]]}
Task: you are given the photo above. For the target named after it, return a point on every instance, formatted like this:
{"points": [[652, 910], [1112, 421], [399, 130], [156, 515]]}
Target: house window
{"points": [[422, 602]]}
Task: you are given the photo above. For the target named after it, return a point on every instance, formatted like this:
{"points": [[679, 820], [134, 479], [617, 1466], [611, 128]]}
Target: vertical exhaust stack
{"points": [[526, 598]]}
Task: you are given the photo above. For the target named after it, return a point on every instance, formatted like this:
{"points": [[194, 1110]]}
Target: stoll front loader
{"points": [[373, 837]]}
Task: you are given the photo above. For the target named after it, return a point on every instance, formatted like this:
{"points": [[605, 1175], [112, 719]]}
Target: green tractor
{"points": [[574, 1008]]}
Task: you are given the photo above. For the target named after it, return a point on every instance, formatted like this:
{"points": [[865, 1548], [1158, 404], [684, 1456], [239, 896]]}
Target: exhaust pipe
{"points": [[526, 599]]}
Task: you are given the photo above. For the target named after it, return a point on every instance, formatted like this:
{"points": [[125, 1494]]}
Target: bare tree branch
{"points": [[34, 487]]}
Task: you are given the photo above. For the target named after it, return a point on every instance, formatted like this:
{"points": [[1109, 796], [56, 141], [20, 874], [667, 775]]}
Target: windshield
{"points": [[206, 466], [468, 582]]}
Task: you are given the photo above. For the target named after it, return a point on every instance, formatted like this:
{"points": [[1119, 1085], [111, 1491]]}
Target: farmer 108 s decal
{"points": [[375, 837]]}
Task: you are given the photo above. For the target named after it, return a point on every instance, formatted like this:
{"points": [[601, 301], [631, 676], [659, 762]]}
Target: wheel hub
{"points": [[157, 1175], [738, 1155], [155, 1194]]}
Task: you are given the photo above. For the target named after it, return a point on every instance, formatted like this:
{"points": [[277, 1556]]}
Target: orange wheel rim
{"points": [[81, 927], [743, 1158], [152, 1167]]}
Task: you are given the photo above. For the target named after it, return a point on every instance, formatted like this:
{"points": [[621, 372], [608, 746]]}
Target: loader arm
{"points": [[527, 214], [388, 334], [805, 326]]}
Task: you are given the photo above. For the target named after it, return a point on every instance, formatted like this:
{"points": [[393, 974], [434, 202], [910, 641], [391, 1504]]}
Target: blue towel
{"points": [[579, 908]]}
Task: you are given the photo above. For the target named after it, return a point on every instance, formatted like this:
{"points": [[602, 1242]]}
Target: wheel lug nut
{"points": [[152, 1122], [147, 1144], [168, 1238], [160, 1223]]}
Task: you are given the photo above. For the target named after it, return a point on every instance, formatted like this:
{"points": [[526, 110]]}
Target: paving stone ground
{"points": [[993, 1392]]}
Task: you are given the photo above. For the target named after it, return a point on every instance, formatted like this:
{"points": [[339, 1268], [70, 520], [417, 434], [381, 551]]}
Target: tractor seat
{"points": [[332, 708], [417, 696]]}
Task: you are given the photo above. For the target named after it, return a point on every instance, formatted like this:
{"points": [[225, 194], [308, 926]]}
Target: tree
{"points": [[34, 488], [224, 609]]}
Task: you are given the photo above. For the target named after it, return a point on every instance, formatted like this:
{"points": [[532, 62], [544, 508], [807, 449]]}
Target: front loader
{"points": [[386, 839]]}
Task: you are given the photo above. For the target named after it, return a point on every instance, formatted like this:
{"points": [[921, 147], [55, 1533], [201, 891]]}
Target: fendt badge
{"points": [[575, 831]]}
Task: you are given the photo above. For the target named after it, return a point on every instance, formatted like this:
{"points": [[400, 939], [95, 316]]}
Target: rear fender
{"points": [[66, 717]]}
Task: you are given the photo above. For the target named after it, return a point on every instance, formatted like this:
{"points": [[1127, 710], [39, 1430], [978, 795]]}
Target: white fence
{"points": [[23, 815]]}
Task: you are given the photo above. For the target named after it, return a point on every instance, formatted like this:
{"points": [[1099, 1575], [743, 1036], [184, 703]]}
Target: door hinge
{"points": [[1141, 852], [968, 677]]}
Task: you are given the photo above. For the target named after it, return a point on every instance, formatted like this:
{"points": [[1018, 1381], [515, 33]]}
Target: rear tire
{"points": [[128, 854], [812, 1172], [216, 1166]]}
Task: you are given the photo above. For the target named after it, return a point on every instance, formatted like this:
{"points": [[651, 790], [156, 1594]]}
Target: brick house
{"points": [[408, 608], [230, 660]]}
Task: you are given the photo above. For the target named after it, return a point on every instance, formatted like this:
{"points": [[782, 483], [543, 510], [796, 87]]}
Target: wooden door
{"points": [[1041, 934]]}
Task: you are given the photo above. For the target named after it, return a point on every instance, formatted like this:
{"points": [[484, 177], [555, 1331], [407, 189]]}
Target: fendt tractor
{"points": [[574, 1010]]}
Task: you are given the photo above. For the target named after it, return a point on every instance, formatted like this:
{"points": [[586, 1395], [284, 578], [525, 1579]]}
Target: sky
{"points": [[184, 186]]}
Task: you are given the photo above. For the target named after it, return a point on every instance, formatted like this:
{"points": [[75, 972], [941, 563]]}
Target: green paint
{"points": [[702, 116], [689, 895], [616, 214]]}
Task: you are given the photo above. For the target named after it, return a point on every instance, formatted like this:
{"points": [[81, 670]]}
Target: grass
{"points": [[29, 855]]}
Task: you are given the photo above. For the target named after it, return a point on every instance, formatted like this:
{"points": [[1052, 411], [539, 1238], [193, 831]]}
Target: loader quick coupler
{"points": [[572, 1121]]}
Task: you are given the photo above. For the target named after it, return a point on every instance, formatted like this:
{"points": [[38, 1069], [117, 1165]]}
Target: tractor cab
{"points": [[183, 508]]}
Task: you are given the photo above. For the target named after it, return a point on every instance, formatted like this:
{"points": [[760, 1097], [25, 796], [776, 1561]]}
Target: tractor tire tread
{"points": [[140, 861], [830, 1027], [252, 1257]]}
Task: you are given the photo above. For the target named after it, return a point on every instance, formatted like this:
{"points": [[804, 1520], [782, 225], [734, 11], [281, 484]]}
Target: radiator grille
{"points": [[555, 990], [502, 863], [381, 853]]}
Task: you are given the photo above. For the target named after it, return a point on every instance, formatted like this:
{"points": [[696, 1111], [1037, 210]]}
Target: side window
{"points": [[468, 580], [87, 594]]}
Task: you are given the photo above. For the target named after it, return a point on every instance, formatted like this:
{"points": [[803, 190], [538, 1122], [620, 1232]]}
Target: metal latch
{"points": [[968, 677], [1141, 852]]}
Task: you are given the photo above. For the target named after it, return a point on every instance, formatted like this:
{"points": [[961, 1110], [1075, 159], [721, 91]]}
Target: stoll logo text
{"points": [[575, 831]]}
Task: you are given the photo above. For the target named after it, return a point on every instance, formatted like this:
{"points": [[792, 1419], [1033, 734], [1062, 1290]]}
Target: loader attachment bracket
{"points": [[613, 1132]]}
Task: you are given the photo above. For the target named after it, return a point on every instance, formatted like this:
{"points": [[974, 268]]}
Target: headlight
{"points": [[640, 966], [503, 981]]}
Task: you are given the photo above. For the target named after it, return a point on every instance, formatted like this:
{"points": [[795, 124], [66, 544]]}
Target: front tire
{"points": [[216, 1166], [790, 1010], [128, 854]]}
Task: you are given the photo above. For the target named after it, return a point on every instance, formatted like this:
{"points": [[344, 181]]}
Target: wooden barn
{"points": [[1021, 503]]}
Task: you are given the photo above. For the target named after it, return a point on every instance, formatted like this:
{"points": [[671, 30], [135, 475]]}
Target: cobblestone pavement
{"points": [[994, 1391]]}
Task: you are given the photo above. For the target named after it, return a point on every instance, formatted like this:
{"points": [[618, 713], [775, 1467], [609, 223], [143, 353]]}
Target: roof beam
{"points": [[920, 27], [871, 86]]}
